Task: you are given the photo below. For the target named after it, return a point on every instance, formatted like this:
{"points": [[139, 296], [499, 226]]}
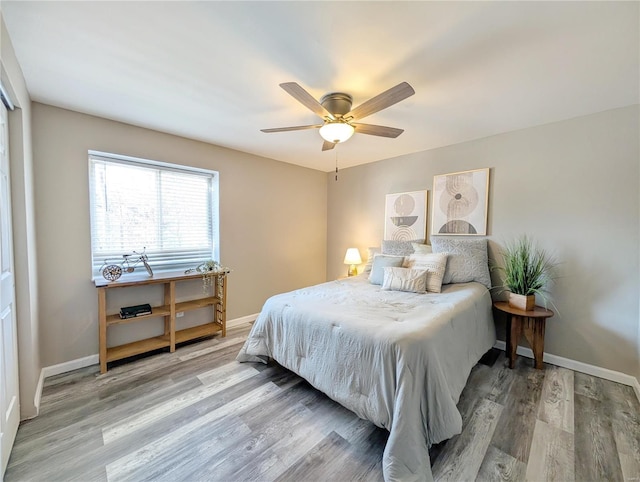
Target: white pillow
{"points": [[434, 263], [371, 252], [421, 248], [404, 279]]}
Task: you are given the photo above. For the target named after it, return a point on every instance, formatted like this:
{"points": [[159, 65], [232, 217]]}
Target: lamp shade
{"points": [[352, 256], [336, 132]]}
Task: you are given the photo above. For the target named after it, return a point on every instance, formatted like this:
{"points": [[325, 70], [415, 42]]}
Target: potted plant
{"points": [[527, 271]]}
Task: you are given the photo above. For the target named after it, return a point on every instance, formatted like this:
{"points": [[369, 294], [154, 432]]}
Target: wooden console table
{"points": [[168, 310], [532, 323]]}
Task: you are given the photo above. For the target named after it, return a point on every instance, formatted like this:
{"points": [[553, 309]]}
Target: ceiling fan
{"points": [[338, 116]]}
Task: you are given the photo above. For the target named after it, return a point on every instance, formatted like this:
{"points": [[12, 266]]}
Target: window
{"points": [[169, 210]]}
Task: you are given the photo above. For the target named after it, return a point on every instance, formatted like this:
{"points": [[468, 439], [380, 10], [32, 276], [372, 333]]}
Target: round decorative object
{"points": [[404, 233], [460, 198], [404, 205], [112, 272], [458, 226]]}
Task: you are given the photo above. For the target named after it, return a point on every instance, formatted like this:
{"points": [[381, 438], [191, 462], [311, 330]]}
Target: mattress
{"points": [[395, 358]]}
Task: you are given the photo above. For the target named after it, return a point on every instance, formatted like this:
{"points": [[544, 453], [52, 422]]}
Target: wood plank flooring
{"points": [[196, 414]]}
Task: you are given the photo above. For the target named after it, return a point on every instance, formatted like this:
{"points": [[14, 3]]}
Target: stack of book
{"points": [[133, 311]]}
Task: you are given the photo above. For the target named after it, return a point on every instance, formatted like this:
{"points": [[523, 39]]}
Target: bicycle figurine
{"points": [[112, 271]]}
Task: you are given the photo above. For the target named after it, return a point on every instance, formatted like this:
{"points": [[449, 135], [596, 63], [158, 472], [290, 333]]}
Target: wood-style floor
{"points": [[196, 414]]}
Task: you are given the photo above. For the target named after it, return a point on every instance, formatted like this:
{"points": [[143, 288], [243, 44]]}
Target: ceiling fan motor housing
{"points": [[338, 103]]}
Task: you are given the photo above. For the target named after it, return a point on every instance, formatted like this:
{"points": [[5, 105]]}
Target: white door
{"points": [[9, 401]]}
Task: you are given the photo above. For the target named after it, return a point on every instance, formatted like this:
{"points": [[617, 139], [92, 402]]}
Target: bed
{"points": [[396, 358]]}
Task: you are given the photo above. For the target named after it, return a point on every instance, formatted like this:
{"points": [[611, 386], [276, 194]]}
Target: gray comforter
{"points": [[397, 359]]}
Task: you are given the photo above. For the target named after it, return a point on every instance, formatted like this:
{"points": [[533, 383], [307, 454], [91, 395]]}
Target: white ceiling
{"points": [[210, 70]]}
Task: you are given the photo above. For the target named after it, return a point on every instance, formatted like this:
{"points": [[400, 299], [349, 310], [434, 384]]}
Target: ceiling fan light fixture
{"points": [[336, 132]]}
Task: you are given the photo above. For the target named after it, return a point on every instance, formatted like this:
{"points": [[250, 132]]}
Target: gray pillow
{"points": [[468, 259], [380, 262], [399, 248]]}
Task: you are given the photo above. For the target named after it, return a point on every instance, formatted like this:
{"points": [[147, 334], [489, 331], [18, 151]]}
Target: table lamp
{"points": [[352, 258]]}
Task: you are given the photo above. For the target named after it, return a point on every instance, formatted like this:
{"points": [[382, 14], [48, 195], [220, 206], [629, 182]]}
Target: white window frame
{"points": [[160, 262]]}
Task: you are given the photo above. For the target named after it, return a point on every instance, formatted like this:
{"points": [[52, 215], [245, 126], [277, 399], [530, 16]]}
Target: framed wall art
{"points": [[460, 203], [405, 216]]}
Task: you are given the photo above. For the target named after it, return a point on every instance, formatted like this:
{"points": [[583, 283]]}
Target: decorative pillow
{"points": [[420, 248], [405, 279], [399, 248], [371, 252], [434, 263], [468, 259], [380, 262]]}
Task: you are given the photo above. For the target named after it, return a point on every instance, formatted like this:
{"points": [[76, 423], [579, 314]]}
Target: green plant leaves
{"points": [[527, 268]]}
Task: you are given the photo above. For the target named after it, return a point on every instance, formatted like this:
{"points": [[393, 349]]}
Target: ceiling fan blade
{"points": [[306, 99], [294, 128], [327, 146], [381, 131], [381, 101]]}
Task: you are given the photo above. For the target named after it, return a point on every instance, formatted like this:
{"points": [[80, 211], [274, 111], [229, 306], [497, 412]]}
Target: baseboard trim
{"points": [[581, 367], [38, 396], [87, 361], [71, 365], [242, 320]]}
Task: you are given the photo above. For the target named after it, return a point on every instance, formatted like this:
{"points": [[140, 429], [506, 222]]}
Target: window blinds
{"points": [[169, 210]]}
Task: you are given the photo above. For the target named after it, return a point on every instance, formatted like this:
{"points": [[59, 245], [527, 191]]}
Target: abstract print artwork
{"points": [[405, 216], [460, 203]]}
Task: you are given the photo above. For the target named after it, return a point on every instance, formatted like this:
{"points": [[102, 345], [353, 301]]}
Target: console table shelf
{"points": [[155, 311], [195, 304], [135, 348], [199, 331], [167, 310]]}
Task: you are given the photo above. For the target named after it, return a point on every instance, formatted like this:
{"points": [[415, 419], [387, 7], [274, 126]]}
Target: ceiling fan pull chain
{"points": [[336, 165]]}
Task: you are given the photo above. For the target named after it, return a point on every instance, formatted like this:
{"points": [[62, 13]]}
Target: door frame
{"points": [[9, 368]]}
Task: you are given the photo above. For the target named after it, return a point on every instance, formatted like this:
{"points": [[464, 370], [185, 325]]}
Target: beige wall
{"points": [[272, 223], [572, 185], [24, 237]]}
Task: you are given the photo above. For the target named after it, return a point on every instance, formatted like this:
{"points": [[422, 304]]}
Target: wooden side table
{"points": [[531, 323]]}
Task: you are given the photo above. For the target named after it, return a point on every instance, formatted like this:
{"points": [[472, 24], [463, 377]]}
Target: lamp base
{"points": [[353, 271]]}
